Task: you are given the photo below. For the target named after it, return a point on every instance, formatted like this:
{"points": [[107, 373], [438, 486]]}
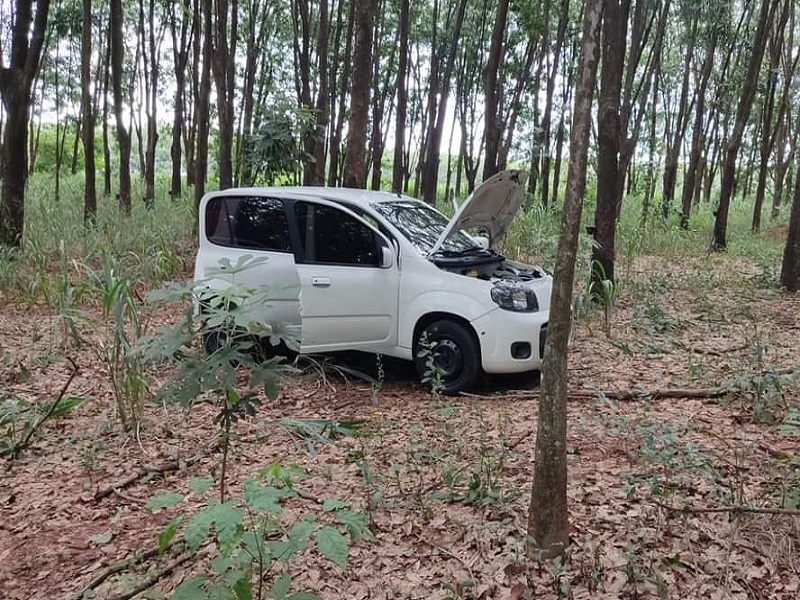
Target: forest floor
{"points": [[692, 496]]}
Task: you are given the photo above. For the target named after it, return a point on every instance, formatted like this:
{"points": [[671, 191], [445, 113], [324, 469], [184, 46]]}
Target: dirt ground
{"points": [[445, 482]]}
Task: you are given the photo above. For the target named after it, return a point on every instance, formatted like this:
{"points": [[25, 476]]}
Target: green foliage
{"points": [[277, 149], [433, 375], [122, 328], [21, 420], [255, 542], [211, 349]]}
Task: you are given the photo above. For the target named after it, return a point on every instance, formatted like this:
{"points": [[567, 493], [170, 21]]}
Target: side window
{"points": [[330, 236], [257, 223]]}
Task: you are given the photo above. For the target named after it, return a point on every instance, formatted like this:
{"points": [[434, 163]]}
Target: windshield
{"points": [[423, 225]]}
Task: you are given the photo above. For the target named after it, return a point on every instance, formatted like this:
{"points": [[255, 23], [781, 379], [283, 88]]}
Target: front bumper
{"points": [[505, 336]]}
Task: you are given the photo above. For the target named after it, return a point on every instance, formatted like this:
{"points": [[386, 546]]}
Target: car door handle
{"points": [[321, 281]]}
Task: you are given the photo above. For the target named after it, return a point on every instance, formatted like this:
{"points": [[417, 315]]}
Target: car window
{"points": [[249, 222], [422, 225], [331, 236]]}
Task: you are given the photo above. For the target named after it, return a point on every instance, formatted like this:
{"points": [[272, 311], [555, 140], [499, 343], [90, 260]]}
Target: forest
{"points": [[661, 141]]}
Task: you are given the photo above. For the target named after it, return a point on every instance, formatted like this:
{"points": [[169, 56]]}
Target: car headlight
{"points": [[518, 298]]}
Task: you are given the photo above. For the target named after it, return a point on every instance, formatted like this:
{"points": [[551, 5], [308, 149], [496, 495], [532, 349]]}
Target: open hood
{"points": [[490, 208]]}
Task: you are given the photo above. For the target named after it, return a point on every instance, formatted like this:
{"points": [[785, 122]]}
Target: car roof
{"points": [[357, 197]]}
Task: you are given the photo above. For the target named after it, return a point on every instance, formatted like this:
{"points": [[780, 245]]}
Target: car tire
{"points": [[456, 354]]}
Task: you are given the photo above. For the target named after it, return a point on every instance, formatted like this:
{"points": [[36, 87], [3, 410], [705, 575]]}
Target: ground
{"points": [[683, 464]]}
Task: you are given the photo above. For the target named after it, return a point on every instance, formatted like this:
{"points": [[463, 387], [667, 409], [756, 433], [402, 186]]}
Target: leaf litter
{"points": [[445, 482]]}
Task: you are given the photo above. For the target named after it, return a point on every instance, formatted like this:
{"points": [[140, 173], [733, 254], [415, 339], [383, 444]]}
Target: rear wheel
{"points": [[447, 356]]}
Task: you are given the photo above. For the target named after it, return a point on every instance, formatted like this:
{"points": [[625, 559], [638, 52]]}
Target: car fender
{"points": [[454, 303]]}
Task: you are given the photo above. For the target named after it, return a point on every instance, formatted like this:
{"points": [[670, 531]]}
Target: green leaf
{"points": [[265, 499], [163, 501], [334, 504], [200, 485], [227, 520], [243, 589], [168, 534], [64, 406], [356, 523], [333, 546], [198, 527], [280, 589], [191, 589]]}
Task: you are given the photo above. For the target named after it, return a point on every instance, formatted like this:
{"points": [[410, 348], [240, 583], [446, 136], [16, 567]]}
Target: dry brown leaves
{"points": [[696, 329]]}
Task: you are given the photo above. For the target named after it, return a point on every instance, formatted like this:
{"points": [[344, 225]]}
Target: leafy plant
{"points": [[122, 327], [211, 349], [21, 420], [254, 542], [433, 375]]}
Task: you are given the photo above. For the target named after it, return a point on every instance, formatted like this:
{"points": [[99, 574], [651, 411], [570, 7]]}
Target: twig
{"points": [[737, 509], [151, 581], [149, 470], [50, 410]]}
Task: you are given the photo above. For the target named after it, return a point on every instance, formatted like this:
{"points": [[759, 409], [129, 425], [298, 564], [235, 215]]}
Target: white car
{"points": [[385, 273]]}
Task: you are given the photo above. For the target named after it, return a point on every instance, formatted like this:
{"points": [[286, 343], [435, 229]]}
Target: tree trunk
{"points": [[16, 82], [609, 129], [316, 148], [87, 116], [749, 86], [548, 525], [399, 166], [790, 269], [492, 90], [355, 170], [430, 168], [223, 67], [123, 137], [179, 28], [202, 103]]}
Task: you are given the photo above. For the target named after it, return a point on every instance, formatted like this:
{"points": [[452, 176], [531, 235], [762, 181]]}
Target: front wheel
{"points": [[447, 357]]}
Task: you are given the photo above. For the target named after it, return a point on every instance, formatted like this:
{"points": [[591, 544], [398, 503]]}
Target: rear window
{"points": [[248, 222]]}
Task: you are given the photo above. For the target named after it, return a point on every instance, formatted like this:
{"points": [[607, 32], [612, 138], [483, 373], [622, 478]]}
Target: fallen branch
{"points": [[736, 510], [619, 395], [152, 580], [168, 467]]}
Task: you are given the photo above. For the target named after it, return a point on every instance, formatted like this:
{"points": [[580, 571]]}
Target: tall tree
{"points": [[183, 28], [492, 87], [202, 103], [548, 526], [734, 141], [355, 171], [790, 268], [28, 28], [87, 116], [223, 66], [399, 166], [438, 94], [117, 44]]}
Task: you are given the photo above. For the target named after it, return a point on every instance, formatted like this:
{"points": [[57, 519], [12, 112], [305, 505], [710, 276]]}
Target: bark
{"points": [[681, 122], [749, 86], [430, 167], [355, 170], [150, 40], [202, 102], [772, 120], [548, 526], [316, 146], [223, 68], [691, 179], [400, 166], [87, 116], [179, 23], [123, 137], [492, 90], [609, 131], [790, 268], [16, 82], [339, 102]]}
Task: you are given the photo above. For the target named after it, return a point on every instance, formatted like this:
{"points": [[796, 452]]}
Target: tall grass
{"points": [[150, 246]]}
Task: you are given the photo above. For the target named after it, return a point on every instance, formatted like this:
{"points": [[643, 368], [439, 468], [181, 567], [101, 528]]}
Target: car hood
{"points": [[490, 208]]}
